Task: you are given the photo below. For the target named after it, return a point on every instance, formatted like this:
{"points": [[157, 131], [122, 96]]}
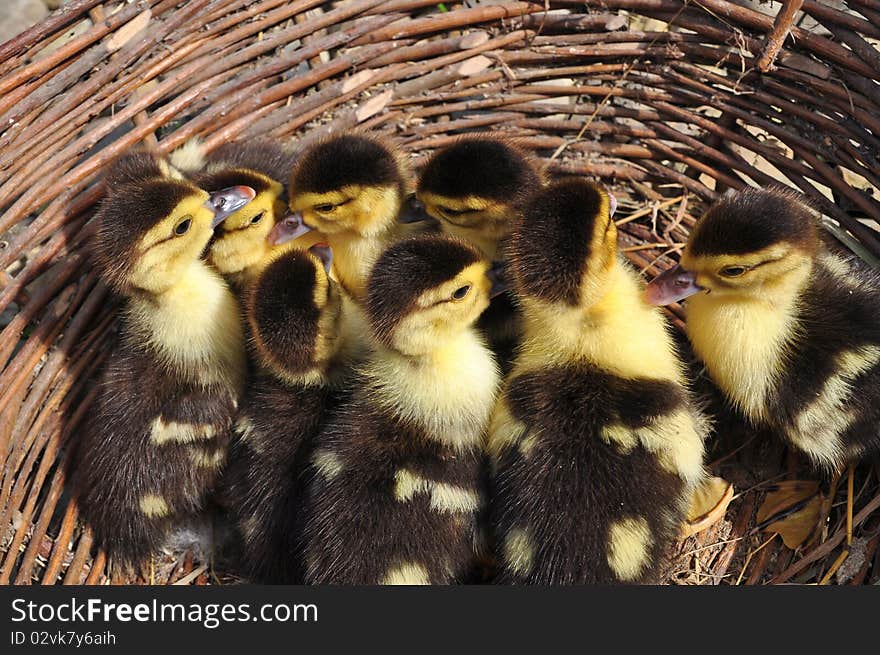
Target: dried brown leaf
{"points": [[783, 496], [708, 504], [792, 510], [797, 528]]}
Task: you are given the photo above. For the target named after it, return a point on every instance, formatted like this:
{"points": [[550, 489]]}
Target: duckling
{"points": [[396, 490], [293, 310], [788, 330], [157, 434], [595, 443], [350, 188], [241, 245], [476, 188]]}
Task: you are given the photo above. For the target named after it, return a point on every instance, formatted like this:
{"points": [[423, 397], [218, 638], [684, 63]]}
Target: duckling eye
{"points": [[325, 208], [259, 217], [461, 292], [453, 212], [732, 271], [183, 226]]}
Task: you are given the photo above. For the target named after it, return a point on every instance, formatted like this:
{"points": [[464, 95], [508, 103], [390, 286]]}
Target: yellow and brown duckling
{"points": [[788, 330], [396, 492], [350, 188], [158, 433], [476, 189], [595, 442], [293, 310], [241, 245]]}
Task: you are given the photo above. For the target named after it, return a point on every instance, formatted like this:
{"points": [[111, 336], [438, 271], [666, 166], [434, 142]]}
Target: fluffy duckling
{"points": [[476, 188], [241, 245], [595, 442], [789, 331], [397, 492], [293, 310], [350, 188], [158, 431]]}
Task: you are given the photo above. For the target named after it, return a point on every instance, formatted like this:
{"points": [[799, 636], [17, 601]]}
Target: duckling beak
{"points": [[497, 275], [673, 285], [226, 202], [323, 252], [413, 211], [612, 204], [287, 229]]}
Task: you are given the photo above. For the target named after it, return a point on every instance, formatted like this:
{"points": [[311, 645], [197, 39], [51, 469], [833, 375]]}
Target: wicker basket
{"points": [[669, 102]]}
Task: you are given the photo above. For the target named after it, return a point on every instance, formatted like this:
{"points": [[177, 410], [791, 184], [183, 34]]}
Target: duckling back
{"points": [[827, 402], [150, 452], [293, 310], [595, 442], [397, 486]]}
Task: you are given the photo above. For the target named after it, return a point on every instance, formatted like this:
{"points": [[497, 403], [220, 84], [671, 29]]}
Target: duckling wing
{"points": [[590, 480], [149, 453], [827, 400], [264, 483], [388, 505]]}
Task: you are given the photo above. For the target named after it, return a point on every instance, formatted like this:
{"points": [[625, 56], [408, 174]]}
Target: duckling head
{"points": [[753, 244], [562, 249], [150, 231], [240, 242], [425, 290], [137, 165], [294, 313], [348, 184], [476, 187]]}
